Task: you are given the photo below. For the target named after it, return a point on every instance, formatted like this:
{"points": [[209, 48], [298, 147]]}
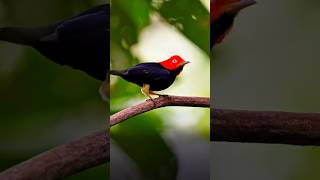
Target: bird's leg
{"points": [[146, 91], [154, 93]]}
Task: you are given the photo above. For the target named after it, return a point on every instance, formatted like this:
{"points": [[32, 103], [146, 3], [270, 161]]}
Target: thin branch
{"points": [[265, 127], [241, 126], [162, 101], [64, 160]]}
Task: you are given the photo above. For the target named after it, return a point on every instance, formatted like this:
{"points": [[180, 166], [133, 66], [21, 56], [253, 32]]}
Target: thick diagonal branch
{"points": [[63, 160]]}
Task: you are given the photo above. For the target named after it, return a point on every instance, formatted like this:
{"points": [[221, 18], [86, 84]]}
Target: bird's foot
{"points": [[157, 94], [163, 95]]}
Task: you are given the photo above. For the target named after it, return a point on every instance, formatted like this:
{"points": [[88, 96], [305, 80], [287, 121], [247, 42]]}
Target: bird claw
{"points": [[163, 95]]}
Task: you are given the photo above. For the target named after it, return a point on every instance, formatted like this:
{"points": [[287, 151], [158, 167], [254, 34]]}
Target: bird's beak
{"points": [[237, 6], [184, 63]]}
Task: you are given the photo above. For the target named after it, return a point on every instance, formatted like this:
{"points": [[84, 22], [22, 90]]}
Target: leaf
{"points": [[191, 18], [126, 22], [137, 11]]}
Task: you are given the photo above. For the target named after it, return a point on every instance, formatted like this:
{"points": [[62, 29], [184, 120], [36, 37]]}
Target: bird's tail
{"points": [[105, 88], [24, 36], [117, 72]]}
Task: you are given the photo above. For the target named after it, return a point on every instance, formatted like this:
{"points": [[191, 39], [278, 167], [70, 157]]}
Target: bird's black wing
{"points": [[90, 26], [147, 73], [99, 8], [81, 42]]}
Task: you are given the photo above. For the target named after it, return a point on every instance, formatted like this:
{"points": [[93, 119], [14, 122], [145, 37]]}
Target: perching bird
{"points": [[222, 17], [81, 42], [153, 76]]}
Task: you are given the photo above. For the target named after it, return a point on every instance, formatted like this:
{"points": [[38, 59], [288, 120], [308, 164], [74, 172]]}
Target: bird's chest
{"points": [[220, 27], [156, 83], [152, 74], [161, 84]]}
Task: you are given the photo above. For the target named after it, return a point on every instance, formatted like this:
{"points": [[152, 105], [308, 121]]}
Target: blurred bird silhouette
{"points": [[81, 42]]}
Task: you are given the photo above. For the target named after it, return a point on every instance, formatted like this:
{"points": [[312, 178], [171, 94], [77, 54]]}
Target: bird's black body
{"points": [[81, 42], [153, 74], [220, 27]]}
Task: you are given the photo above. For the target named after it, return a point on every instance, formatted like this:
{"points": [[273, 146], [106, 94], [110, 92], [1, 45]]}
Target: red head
{"points": [[219, 7], [173, 62]]}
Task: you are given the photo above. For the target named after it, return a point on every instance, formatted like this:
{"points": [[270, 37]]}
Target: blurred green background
{"points": [[173, 142], [270, 61], [43, 104]]}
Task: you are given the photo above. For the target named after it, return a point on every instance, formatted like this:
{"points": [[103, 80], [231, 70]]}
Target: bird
{"points": [[81, 41], [153, 76], [223, 13]]}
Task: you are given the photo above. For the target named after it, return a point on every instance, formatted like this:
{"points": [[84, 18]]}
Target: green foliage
{"points": [[191, 18], [141, 137], [93, 173]]}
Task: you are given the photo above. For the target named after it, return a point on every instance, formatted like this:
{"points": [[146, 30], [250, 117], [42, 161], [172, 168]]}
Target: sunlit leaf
{"points": [[191, 18]]}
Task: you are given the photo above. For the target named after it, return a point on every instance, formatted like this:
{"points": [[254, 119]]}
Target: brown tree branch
{"points": [[241, 126], [64, 160], [162, 101], [265, 127], [226, 125], [89, 151]]}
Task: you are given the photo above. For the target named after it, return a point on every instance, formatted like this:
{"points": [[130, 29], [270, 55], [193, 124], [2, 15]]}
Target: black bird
{"points": [[153, 76], [81, 42]]}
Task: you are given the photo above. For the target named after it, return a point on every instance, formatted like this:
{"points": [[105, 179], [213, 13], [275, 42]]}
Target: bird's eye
{"points": [[174, 61]]}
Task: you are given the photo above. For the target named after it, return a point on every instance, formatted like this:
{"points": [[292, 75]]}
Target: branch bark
{"points": [[64, 160], [162, 101], [241, 126], [88, 151], [226, 125], [265, 127]]}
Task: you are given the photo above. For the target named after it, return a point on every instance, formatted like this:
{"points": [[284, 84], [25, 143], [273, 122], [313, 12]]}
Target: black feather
{"points": [[154, 74], [219, 27], [81, 42]]}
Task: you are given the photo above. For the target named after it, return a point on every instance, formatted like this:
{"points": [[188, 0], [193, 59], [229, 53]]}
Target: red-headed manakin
{"points": [[153, 76]]}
